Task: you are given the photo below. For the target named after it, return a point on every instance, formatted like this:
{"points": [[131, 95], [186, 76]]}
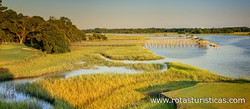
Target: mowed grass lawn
{"points": [[216, 90], [15, 52]]}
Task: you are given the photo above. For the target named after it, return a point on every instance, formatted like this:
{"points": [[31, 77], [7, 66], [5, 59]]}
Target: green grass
{"points": [[19, 105], [58, 63], [196, 74], [130, 53], [153, 91], [103, 90], [146, 104], [115, 40], [131, 90], [15, 52], [36, 91], [217, 90], [110, 43]]}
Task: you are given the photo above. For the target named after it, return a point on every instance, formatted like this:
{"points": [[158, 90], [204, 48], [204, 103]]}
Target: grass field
{"points": [[216, 90], [41, 64], [110, 43], [131, 90], [103, 90], [10, 53], [115, 40], [119, 37], [19, 105], [130, 53]]}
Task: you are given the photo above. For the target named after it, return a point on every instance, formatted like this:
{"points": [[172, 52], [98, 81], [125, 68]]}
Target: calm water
{"points": [[8, 93], [231, 59]]}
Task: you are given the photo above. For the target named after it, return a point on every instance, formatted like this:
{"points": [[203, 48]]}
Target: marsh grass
{"points": [[95, 59], [110, 43], [19, 105], [35, 90], [238, 80], [154, 91], [103, 90], [58, 63], [146, 104], [119, 37], [130, 53], [115, 40]]}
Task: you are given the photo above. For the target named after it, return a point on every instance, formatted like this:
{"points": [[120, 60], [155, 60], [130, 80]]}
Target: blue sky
{"points": [[140, 13]]}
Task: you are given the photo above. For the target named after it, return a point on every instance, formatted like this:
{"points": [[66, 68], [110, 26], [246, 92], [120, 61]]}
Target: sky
{"points": [[88, 14]]}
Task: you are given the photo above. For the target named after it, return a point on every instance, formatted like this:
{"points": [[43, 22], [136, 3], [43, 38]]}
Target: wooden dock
{"points": [[162, 42]]}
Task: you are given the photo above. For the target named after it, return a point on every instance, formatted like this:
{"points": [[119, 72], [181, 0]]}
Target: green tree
{"points": [[51, 39], [2, 8], [19, 25]]}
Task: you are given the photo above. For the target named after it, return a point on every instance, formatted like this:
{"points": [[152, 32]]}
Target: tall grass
{"points": [[119, 90], [130, 53], [36, 91], [44, 64], [119, 37], [115, 40], [19, 105], [56, 63], [110, 43]]}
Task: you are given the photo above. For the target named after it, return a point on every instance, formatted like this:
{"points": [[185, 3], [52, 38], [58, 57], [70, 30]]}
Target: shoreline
{"points": [[174, 33]]}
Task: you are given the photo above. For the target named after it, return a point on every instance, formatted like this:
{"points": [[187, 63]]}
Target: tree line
{"points": [[163, 30], [51, 36]]}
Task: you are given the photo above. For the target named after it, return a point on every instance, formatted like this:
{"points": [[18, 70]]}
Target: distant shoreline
{"points": [[174, 33]]}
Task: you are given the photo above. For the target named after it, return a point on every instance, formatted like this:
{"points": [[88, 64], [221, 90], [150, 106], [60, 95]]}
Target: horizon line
{"points": [[171, 28]]}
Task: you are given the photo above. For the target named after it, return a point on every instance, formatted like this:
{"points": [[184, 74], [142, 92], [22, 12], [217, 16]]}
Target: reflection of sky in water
{"points": [[231, 59], [8, 93], [100, 69], [180, 53]]}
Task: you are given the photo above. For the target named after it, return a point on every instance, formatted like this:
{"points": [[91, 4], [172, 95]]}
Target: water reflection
{"points": [[231, 59], [8, 93], [99, 69], [180, 53]]}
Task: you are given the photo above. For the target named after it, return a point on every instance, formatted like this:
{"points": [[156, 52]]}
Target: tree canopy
{"points": [[51, 36], [162, 30]]}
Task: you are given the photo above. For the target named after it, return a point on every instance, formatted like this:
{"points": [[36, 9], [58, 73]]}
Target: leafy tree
{"points": [[51, 39], [178, 30], [99, 36], [18, 24], [70, 30], [51, 36], [2, 8]]}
